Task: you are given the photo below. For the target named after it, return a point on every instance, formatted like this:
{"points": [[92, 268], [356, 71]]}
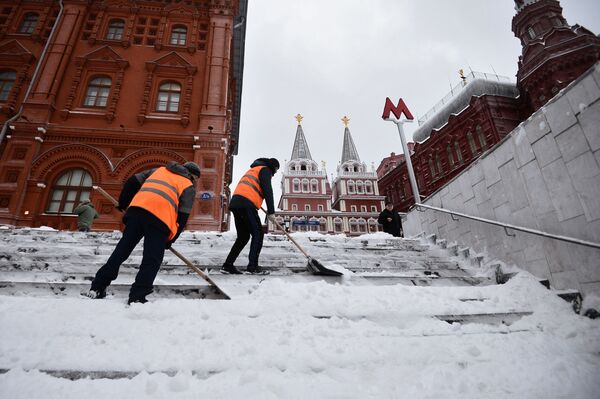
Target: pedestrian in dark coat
{"points": [[158, 203], [253, 188], [390, 219], [86, 213]]}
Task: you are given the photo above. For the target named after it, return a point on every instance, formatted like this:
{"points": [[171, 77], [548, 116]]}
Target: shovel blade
{"points": [[315, 267]]}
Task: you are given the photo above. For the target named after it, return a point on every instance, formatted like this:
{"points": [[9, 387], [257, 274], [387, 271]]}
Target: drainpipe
{"points": [[35, 74]]}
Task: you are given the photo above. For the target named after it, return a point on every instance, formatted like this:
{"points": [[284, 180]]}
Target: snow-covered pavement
{"points": [[283, 339]]}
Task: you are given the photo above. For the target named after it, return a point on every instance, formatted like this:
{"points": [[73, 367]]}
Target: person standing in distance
{"points": [[86, 213], [253, 188], [158, 203], [390, 219]]}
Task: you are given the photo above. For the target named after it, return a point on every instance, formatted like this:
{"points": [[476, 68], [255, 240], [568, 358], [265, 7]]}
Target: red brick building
{"points": [[484, 108], [309, 203], [93, 92]]}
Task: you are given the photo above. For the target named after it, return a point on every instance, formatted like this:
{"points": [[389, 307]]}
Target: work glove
{"points": [[121, 208], [168, 244]]}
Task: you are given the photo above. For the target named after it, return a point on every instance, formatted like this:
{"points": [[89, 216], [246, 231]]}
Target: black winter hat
{"points": [[273, 164], [193, 168]]}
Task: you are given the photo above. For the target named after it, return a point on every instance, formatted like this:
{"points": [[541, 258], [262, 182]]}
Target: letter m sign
{"points": [[397, 110]]}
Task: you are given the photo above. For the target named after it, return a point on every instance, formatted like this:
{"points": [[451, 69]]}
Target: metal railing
{"points": [[508, 226]]}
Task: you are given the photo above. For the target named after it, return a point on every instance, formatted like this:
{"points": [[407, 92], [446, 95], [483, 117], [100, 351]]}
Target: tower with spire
{"points": [[306, 193], [355, 190]]}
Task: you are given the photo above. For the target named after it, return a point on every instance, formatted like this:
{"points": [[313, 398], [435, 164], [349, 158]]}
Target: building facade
{"points": [[309, 203], [483, 108], [93, 92]]}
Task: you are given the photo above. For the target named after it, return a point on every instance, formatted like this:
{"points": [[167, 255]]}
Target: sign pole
{"points": [[411, 172]]}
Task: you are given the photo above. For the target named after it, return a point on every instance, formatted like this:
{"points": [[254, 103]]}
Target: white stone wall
{"points": [[544, 175]]}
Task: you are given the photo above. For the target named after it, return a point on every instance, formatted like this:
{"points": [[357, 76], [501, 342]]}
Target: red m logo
{"points": [[398, 110]]}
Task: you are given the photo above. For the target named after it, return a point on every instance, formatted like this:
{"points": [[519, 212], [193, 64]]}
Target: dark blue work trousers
{"points": [[247, 223], [154, 250]]}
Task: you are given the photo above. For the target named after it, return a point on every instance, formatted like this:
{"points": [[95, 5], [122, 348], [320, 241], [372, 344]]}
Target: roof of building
{"points": [[349, 152], [458, 99], [300, 150]]}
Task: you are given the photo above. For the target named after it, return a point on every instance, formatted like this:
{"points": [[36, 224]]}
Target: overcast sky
{"points": [[328, 58]]}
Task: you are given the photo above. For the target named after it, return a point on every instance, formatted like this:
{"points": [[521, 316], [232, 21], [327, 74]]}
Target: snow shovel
{"points": [[189, 264], [314, 266]]}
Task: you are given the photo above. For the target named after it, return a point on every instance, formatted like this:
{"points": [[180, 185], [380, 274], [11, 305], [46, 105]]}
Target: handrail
{"points": [[511, 226]]}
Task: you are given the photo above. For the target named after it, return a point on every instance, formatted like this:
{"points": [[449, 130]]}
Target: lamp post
{"points": [[398, 110]]}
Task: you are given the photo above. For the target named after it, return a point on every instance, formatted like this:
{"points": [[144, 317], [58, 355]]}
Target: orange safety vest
{"points": [[160, 194], [249, 186]]}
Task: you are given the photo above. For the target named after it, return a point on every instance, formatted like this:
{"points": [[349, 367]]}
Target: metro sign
{"points": [[397, 110]]}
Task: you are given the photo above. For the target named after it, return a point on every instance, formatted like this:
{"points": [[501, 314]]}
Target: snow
{"points": [[282, 338]]}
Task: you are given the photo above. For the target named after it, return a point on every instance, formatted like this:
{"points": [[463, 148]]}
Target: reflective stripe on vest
{"points": [[249, 186], [160, 194]]}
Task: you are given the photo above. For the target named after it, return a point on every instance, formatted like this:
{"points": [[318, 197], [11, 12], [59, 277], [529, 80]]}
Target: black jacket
{"points": [[264, 177], [395, 226]]}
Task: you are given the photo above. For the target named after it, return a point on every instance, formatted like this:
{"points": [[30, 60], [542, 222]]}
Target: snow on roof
{"points": [[458, 99]]}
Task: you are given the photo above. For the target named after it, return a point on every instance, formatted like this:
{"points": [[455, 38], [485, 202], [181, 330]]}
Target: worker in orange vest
{"points": [[253, 188], [158, 203]]}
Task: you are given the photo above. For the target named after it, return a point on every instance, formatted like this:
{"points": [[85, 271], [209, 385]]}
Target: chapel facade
{"points": [[310, 203]]}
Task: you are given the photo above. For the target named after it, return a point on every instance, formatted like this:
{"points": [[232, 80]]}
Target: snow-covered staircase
{"points": [[34, 261], [408, 305]]}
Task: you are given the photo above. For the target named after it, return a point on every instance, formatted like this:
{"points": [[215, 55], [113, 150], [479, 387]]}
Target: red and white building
{"points": [[308, 201]]}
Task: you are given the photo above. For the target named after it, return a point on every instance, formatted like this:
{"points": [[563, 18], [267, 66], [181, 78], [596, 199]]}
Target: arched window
{"points": [[294, 207], [531, 32], [323, 225], [314, 186], [362, 226], [29, 22], [337, 225], [351, 187], [168, 97], [97, 92], [307, 207], [352, 208], [320, 208], [70, 188], [481, 137], [305, 187], [363, 208], [7, 80], [353, 225], [438, 164], [450, 156], [314, 224], [115, 29], [458, 153], [373, 225], [296, 185], [179, 35], [431, 168], [369, 187], [472, 143], [359, 187]]}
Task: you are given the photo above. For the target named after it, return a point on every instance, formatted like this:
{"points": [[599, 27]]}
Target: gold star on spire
{"points": [[346, 120], [299, 118]]}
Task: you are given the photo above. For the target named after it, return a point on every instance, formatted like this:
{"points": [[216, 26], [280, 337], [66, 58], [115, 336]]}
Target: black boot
{"points": [[256, 270], [230, 269]]}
